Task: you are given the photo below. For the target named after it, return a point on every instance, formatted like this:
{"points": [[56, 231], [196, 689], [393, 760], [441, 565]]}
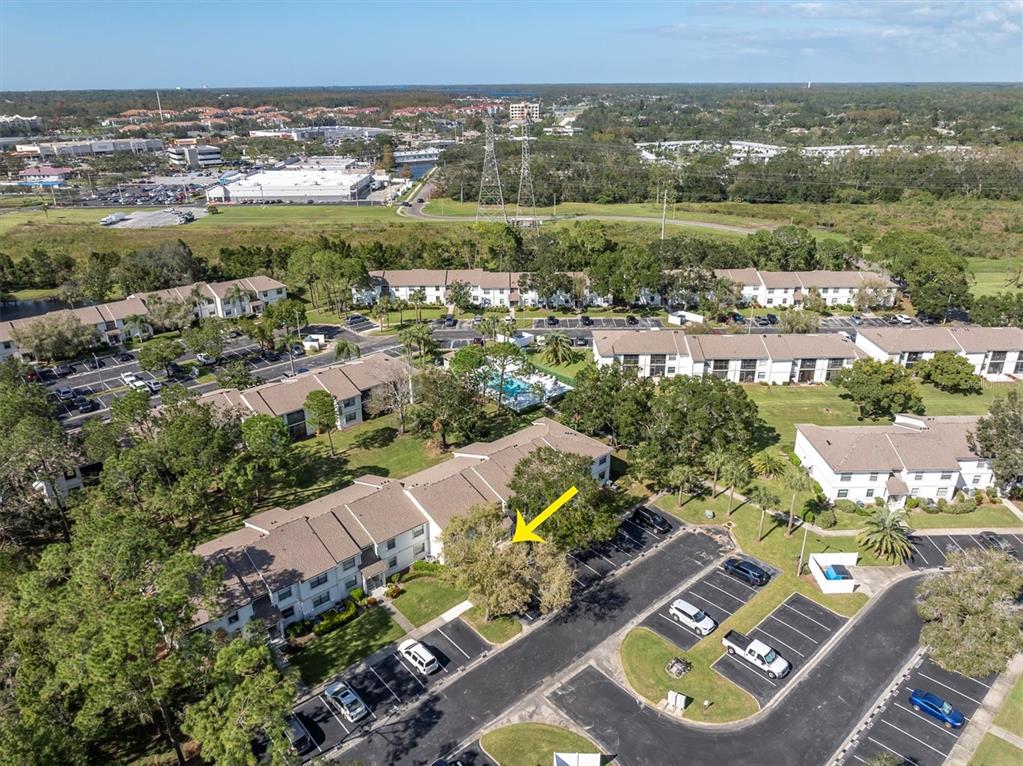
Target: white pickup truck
{"points": [[756, 653], [132, 380]]}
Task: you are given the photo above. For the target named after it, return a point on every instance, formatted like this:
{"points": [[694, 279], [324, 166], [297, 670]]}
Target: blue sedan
{"points": [[936, 707]]}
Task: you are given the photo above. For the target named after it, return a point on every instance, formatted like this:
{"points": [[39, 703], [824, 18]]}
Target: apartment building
{"points": [[522, 110], [350, 384], [752, 358], [996, 353], [791, 288], [287, 565], [926, 457]]}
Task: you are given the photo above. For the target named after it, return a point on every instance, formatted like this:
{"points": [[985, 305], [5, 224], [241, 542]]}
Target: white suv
{"points": [[418, 656], [686, 614]]}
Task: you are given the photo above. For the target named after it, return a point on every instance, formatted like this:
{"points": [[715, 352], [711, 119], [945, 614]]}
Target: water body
{"points": [[21, 309]]}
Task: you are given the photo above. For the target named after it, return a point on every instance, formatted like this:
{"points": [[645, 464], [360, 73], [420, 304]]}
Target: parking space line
{"points": [[903, 758], [715, 587], [609, 561], [330, 709], [956, 544], [673, 622], [381, 680], [410, 672], [744, 666], [311, 737], [441, 631], [733, 580], [951, 688], [620, 548], [811, 619], [931, 541], [775, 638], [641, 529], [637, 542], [584, 564], [796, 630], [917, 549], [939, 752], [924, 719], [708, 601]]}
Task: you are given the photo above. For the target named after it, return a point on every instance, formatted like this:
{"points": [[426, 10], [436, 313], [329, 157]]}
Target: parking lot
{"points": [[719, 595], [932, 550], [599, 323], [388, 684], [796, 630], [916, 738]]}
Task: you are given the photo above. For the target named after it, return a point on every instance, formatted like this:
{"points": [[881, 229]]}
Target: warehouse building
{"points": [[295, 186], [85, 148]]}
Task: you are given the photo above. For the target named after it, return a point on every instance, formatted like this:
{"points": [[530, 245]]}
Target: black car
{"points": [[762, 322], [995, 542], [582, 341], [125, 356], [271, 356], [651, 519], [552, 321], [772, 318], [420, 200], [746, 571], [85, 404], [94, 364], [586, 321], [63, 370], [631, 320], [450, 321]]}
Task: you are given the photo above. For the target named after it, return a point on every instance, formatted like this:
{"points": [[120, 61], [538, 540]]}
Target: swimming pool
{"points": [[512, 386]]}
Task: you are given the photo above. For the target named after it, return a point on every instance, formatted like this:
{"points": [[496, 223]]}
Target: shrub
{"points": [[928, 506], [334, 618], [300, 628], [372, 601], [846, 506], [963, 506], [395, 578], [958, 497], [427, 567], [357, 595], [394, 590], [942, 505], [992, 494], [912, 503], [826, 519]]}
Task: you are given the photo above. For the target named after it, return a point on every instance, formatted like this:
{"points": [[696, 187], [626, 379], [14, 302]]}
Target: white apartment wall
{"points": [[980, 360], [434, 293], [408, 547], [244, 614]]}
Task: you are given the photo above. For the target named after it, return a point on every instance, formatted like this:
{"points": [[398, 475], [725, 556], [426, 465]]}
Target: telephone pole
{"points": [[491, 201], [526, 202], [664, 212]]}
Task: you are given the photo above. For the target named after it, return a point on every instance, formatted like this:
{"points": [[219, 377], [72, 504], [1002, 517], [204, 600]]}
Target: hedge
{"points": [[300, 628], [334, 618]]}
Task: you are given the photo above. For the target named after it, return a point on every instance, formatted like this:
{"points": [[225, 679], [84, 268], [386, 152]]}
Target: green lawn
{"points": [[371, 447], [995, 751], [36, 294], [425, 598], [533, 744], [1011, 715], [984, 516], [328, 655], [990, 275], [565, 372], [497, 631], [311, 215]]}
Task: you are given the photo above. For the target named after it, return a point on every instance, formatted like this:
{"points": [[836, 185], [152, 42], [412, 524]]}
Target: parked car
{"points": [[581, 341], [684, 613], [63, 370], [65, 394], [128, 378], [270, 355], [772, 318], [418, 656], [477, 319], [756, 653], [856, 319], [450, 321], [892, 320], [94, 364], [631, 320], [298, 736], [205, 359], [154, 386], [586, 321], [125, 356], [552, 321], [85, 404], [746, 571], [995, 542], [477, 341], [736, 317], [355, 319], [762, 322], [936, 707], [651, 519], [904, 319], [347, 701], [298, 350], [420, 200]]}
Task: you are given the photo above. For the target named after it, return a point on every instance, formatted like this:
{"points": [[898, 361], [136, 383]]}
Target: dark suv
{"points": [[746, 571], [552, 321], [651, 519]]}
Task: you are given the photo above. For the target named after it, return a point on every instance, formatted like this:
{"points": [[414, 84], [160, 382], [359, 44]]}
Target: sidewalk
{"points": [[983, 719]]}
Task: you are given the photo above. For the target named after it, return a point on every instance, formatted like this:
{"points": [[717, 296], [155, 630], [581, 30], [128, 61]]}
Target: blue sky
{"points": [[215, 43]]}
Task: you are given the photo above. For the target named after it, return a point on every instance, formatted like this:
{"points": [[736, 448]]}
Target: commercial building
{"points": [[325, 132], [44, 175], [88, 147], [926, 457], [996, 353], [792, 288], [195, 157], [752, 358], [524, 109], [296, 186], [287, 565]]}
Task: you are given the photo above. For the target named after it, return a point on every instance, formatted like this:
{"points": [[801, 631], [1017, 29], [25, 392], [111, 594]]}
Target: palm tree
{"points": [[136, 325], [713, 462], [401, 306], [490, 327], [736, 472], [683, 477], [261, 332], [798, 480], [768, 464], [766, 499], [557, 349], [417, 338], [886, 535], [346, 350], [381, 310], [418, 297]]}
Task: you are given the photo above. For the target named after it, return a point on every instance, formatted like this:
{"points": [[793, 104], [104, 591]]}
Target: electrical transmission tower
{"points": [[526, 202], [491, 202]]}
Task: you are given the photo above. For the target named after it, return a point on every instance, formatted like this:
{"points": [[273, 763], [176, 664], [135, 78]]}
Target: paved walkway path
{"points": [[398, 617], [983, 720], [1008, 736]]}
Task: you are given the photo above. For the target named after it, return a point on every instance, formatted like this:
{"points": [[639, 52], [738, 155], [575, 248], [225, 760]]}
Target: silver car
{"points": [[347, 701]]}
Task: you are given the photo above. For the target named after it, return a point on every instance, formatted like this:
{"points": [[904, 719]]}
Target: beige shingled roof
{"points": [[416, 278], [897, 340], [613, 342]]}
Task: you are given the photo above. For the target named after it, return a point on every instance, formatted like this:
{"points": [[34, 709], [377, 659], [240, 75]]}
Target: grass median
{"points": [[533, 744], [995, 751], [497, 631], [1010, 717]]}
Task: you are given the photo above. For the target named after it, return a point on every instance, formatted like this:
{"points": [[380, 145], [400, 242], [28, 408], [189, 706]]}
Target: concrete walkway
{"points": [[397, 616], [983, 720], [1008, 736]]}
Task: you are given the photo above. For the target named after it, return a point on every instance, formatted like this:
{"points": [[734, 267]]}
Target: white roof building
{"points": [[294, 186]]}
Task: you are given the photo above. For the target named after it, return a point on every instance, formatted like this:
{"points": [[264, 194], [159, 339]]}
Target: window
{"points": [[942, 492], [317, 581], [873, 477], [630, 362], [348, 563], [391, 544], [747, 370], [914, 492], [845, 477], [232, 619], [418, 532], [392, 562], [348, 402], [322, 599], [976, 480], [288, 613], [870, 493], [603, 459], [946, 476], [284, 594], [719, 368], [351, 417], [350, 583], [843, 493], [1019, 365], [657, 362], [917, 476], [419, 549]]}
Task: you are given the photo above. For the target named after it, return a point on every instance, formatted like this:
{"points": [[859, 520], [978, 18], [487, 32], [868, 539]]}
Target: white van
{"points": [[683, 612]]}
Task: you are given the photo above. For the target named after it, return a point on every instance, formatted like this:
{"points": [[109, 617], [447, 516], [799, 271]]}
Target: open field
{"points": [[991, 276]]}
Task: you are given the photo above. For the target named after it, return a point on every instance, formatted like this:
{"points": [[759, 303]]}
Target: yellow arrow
{"points": [[525, 533]]}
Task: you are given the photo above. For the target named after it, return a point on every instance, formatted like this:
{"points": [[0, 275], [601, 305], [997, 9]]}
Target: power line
{"points": [[490, 206], [526, 201]]}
